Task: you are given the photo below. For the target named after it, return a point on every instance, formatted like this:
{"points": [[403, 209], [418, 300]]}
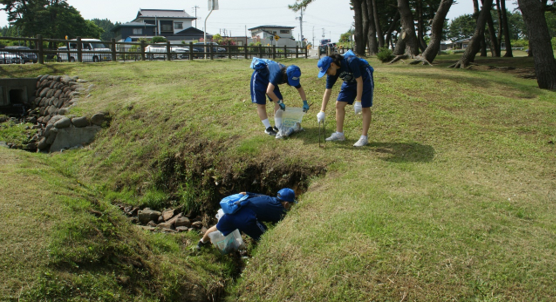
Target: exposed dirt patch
{"points": [[202, 173]]}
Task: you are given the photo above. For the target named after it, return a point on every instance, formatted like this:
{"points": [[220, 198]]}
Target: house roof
{"points": [[132, 24], [189, 30], [271, 26], [163, 13]]}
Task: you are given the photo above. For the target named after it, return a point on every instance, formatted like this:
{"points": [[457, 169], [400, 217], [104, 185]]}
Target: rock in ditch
{"points": [[80, 122], [147, 215]]}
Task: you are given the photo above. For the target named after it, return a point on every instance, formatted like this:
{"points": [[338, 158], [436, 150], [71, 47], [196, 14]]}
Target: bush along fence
{"points": [[93, 50]]}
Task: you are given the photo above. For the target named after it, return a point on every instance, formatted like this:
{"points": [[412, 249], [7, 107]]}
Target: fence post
{"points": [[285, 52], [273, 52], [69, 50], [229, 51], [114, 50], [190, 51], [79, 50], [41, 51], [142, 50], [211, 54], [245, 48], [296, 51], [168, 51], [307, 52]]}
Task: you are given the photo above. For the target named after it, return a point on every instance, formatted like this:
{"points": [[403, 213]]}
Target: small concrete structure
{"points": [[17, 95]]}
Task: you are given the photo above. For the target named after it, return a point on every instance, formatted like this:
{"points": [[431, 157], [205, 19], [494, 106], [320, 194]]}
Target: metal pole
{"points": [[205, 29]]}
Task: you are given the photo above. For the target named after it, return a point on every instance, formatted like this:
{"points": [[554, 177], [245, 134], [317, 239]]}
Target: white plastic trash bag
{"points": [[226, 244], [219, 214], [291, 121]]}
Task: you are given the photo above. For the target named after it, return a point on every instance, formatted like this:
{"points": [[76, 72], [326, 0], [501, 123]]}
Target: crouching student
{"points": [[267, 76], [250, 217]]}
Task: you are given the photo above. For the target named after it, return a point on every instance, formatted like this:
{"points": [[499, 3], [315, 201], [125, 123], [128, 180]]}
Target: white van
{"points": [[93, 50]]}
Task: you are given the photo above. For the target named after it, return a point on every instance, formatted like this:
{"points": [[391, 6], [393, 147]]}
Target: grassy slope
{"points": [[451, 200]]}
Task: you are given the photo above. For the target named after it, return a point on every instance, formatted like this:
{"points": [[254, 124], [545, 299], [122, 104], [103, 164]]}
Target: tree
{"points": [[475, 44], [436, 31], [50, 18], [539, 41], [107, 26], [461, 27]]}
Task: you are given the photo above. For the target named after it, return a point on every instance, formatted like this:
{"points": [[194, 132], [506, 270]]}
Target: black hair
{"points": [[284, 76], [337, 59]]}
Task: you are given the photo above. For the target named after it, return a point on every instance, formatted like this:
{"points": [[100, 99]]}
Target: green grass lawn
{"points": [[453, 199]]}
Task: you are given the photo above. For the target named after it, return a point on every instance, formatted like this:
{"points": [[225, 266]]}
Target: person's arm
{"points": [[326, 97], [270, 92], [359, 81], [302, 93]]}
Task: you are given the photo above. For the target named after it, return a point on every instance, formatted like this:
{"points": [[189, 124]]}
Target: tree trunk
{"points": [[539, 40], [358, 31], [366, 23], [507, 41], [379, 33], [408, 30], [420, 26], [476, 16], [436, 30], [494, 47], [500, 27], [389, 40], [475, 44], [373, 44], [400, 46]]}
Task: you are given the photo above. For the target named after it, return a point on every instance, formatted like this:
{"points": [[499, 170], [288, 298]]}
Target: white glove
{"points": [[320, 117], [357, 107]]}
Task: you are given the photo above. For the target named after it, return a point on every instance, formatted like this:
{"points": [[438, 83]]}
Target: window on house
{"points": [[137, 31], [178, 25], [284, 31], [166, 27]]}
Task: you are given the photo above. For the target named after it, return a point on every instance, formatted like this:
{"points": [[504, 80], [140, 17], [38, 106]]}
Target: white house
{"points": [[166, 21], [266, 35]]}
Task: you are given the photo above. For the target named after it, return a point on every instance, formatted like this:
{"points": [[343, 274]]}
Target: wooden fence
{"points": [[52, 50]]}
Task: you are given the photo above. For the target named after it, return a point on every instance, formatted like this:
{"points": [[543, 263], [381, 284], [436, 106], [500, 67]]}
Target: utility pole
{"points": [[195, 9], [300, 18], [313, 36]]}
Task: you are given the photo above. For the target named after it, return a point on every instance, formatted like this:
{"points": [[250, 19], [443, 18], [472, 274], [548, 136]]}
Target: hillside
{"points": [[452, 199]]}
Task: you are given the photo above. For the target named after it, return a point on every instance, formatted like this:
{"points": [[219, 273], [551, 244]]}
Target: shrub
{"points": [[385, 54]]}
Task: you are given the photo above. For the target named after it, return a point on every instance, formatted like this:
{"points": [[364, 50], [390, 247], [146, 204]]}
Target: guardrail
{"points": [[126, 51]]}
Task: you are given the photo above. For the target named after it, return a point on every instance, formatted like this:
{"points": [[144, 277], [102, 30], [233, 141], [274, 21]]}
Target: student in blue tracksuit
{"points": [[249, 218], [267, 75], [358, 86]]}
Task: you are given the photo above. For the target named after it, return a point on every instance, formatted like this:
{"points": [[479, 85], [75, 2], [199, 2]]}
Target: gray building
{"points": [[174, 25]]}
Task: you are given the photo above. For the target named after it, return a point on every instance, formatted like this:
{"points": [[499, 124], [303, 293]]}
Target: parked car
{"points": [[154, 52], [324, 48], [26, 56], [9, 58], [200, 47], [93, 50]]}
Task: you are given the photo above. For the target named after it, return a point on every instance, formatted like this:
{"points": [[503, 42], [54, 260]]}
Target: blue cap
{"points": [[294, 73], [287, 194], [324, 64]]}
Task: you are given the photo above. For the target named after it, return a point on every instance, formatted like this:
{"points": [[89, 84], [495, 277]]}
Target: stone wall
{"points": [[57, 130]]}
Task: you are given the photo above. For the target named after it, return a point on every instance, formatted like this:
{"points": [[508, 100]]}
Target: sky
{"points": [[328, 18]]}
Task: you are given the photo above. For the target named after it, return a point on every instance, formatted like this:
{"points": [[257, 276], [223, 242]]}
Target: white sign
{"points": [[213, 4]]}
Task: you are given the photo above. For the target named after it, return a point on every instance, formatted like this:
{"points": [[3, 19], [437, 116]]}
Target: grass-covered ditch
{"points": [[451, 200]]}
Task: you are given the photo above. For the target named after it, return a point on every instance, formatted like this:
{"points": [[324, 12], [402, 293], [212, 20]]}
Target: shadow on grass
{"points": [[392, 152], [403, 152]]}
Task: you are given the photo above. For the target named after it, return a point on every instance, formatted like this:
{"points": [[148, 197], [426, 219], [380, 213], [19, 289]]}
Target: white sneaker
{"points": [[336, 137], [361, 142]]}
